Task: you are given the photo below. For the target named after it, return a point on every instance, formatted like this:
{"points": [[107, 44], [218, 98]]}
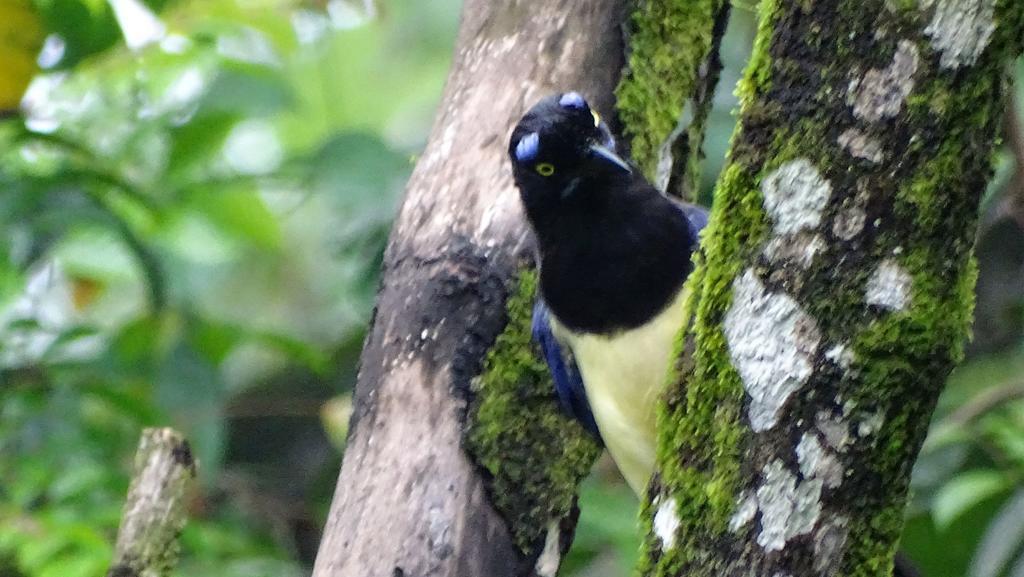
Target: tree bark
{"points": [[833, 295], [155, 509], [666, 94], [409, 500]]}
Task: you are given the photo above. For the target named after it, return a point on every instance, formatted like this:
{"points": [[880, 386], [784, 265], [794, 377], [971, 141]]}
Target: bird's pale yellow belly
{"points": [[624, 375]]}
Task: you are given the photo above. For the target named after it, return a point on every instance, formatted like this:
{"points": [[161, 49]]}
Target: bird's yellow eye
{"points": [[597, 118], [545, 169]]}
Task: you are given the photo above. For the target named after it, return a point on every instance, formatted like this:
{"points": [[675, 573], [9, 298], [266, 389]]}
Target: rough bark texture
{"points": [[665, 95], [834, 291], [410, 500], [154, 511]]}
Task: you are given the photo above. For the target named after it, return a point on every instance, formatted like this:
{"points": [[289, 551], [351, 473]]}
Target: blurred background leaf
{"points": [[21, 35]]}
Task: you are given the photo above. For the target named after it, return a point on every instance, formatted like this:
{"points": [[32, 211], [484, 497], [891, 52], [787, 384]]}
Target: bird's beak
{"points": [[603, 154]]}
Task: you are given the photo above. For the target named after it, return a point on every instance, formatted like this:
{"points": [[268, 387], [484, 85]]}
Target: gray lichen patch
{"points": [[829, 545], [841, 355], [772, 342], [881, 93], [795, 195], [861, 145], [551, 556], [849, 222], [870, 425], [439, 531], [889, 286], [745, 511], [835, 430], [960, 30], [816, 461], [799, 249], [666, 523], [789, 507]]}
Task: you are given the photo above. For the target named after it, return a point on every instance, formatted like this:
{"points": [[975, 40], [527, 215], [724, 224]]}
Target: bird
{"points": [[614, 254]]}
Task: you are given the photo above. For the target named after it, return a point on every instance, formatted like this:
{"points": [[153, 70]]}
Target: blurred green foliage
{"points": [[191, 220]]}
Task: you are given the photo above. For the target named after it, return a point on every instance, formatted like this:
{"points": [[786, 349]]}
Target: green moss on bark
{"points": [[535, 455], [673, 69]]}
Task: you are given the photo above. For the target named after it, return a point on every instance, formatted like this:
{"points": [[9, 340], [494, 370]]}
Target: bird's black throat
{"points": [[612, 257]]}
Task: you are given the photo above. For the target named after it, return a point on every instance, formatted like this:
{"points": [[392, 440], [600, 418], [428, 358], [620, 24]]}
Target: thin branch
{"points": [[87, 164], [983, 403], [152, 271], [154, 511], [87, 170]]}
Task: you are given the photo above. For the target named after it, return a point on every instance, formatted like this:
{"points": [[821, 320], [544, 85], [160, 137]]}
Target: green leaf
{"points": [[357, 167], [1006, 431], [246, 89], [1002, 539], [239, 212], [87, 27], [77, 565], [197, 144], [37, 553], [965, 491], [190, 388]]}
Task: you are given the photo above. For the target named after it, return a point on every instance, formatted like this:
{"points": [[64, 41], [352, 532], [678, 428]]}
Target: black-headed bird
{"points": [[614, 255]]}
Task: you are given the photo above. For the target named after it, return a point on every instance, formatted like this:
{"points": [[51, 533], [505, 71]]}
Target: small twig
{"points": [[984, 403], [154, 511], [974, 410], [86, 163]]}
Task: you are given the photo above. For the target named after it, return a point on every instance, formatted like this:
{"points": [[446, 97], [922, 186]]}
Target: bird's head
{"points": [[562, 153]]}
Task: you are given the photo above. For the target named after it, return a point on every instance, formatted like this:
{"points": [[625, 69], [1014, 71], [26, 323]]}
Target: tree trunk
{"points": [[665, 96], [834, 292], [409, 499]]}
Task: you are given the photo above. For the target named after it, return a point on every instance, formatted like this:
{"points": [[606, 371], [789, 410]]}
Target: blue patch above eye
{"points": [[572, 100], [528, 147]]}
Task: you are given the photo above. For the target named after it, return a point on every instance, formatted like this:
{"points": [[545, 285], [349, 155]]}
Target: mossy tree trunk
{"points": [[834, 290]]}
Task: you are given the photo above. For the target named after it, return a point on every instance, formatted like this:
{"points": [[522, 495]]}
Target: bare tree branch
{"points": [[155, 509]]}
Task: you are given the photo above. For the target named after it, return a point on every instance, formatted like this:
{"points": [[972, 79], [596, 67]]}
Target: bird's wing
{"points": [[568, 382], [696, 215]]}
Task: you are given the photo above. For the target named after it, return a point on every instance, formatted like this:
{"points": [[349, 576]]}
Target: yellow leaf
{"points": [[21, 35]]}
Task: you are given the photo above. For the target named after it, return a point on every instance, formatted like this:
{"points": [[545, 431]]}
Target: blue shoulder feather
{"points": [[568, 382], [696, 215]]}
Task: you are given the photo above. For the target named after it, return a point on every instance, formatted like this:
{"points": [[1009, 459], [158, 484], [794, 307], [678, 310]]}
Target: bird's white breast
{"points": [[624, 375]]}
